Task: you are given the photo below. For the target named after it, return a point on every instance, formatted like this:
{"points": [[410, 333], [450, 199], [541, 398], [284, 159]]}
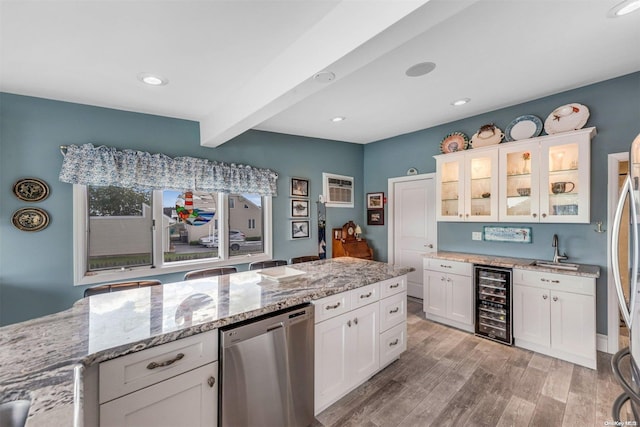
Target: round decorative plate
{"points": [[487, 135], [565, 118], [455, 141], [524, 127], [31, 190], [30, 219]]}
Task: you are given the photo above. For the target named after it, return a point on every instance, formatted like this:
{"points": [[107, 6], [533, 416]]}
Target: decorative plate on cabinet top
{"points": [[31, 189], [487, 135], [524, 127], [455, 141], [565, 118]]}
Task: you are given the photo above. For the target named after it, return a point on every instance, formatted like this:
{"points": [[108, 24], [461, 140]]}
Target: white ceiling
{"points": [[236, 65]]}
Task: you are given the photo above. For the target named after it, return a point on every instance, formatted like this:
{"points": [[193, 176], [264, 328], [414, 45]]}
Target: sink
{"points": [[556, 265], [14, 413]]}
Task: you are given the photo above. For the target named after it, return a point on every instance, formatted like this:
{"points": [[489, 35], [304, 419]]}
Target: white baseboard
{"points": [[602, 343]]}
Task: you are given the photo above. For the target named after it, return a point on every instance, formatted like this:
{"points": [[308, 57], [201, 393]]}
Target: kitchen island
{"points": [[43, 359]]}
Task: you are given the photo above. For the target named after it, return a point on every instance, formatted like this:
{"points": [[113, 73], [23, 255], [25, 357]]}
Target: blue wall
{"points": [[36, 269], [615, 112]]}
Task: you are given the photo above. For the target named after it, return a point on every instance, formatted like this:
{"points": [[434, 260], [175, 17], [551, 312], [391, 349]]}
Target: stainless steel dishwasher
{"points": [[266, 370]]}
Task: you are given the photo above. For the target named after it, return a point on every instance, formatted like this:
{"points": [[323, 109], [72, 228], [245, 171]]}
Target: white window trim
{"points": [[80, 232]]}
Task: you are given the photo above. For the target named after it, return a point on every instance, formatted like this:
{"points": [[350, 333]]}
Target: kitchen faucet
{"points": [[556, 256]]}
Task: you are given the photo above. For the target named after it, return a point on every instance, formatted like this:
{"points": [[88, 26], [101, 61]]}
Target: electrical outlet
{"points": [[476, 235]]}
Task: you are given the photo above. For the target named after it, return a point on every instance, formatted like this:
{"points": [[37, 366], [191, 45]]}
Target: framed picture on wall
{"points": [[299, 187], [375, 200], [300, 230], [299, 208], [375, 217]]}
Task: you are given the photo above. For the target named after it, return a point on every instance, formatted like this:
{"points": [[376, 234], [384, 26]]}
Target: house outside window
{"points": [[141, 233]]}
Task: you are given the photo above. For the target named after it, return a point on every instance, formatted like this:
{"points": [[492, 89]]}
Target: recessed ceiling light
{"points": [[624, 8], [324, 77], [152, 79], [420, 69], [460, 102], [338, 119]]}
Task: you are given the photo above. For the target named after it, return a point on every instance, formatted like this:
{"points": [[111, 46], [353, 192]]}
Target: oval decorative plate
{"points": [[30, 219], [524, 127], [487, 135], [565, 118], [31, 190], [455, 141]]}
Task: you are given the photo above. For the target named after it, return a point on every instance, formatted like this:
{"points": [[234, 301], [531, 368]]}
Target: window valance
{"points": [[89, 165]]}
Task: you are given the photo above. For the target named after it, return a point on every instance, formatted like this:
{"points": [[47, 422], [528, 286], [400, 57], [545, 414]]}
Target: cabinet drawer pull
{"points": [[555, 281], [211, 381], [394, 286], [391, 344], [445, 266], [154, 365], [332, 307], [366, 295], [544, 280], [395, 310]]}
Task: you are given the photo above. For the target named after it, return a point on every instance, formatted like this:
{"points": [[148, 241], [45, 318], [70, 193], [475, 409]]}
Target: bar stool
{"points": [[257, 265], [121, 286], [209, 272]]}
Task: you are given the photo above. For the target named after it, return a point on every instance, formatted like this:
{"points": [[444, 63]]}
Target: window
{"points": [[121, 233]]}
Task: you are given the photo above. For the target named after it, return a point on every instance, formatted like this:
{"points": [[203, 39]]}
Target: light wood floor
{"points": [[452, 378]]}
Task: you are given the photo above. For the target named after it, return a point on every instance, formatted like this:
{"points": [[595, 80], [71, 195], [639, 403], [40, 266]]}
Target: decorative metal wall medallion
{"points": [[31, 190], [30, 219]]}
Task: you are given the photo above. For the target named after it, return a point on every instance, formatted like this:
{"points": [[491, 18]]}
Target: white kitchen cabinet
{"points": [[145, 388], [555, 314], [357, 333], [189, 399], [543, 179], [346, 353], [467, 186], [448, 293]]}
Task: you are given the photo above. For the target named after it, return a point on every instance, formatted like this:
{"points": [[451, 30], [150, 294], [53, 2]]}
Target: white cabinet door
{"points": [[573, 324], [331, 359], [189, 399], [450, 187], [435, 293], [481, 185], [519, 183], [531, 316], [460, 299], [364, 337]]}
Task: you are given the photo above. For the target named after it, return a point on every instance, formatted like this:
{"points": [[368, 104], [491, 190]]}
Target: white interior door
{"points": [[412, 225]]}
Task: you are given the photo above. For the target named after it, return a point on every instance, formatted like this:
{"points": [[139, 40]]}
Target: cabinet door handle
{"points": [[460, 215], [332, 307], [555, 298], [366, 295], [394, 286], [442, 279], [349, 323], [430, 246], [211, 381], [448, 279], [395, 310], [391, 344], [544, 215], [545, 296], [355, 320], [535, 215], [467, 215], [154, 365]]}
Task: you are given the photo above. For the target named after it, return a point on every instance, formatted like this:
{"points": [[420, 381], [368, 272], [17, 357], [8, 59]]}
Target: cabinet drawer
{"points": [[561, 282], [134, 371], [444, 266], [393, 310], [392, 344], [332, 306], [393, 286], [364, 295]]}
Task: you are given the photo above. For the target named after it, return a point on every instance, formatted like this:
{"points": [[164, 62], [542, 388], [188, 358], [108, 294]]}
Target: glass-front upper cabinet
{"points": [[450, 187], [565, 177], [519, 182], [467, 186], [481, 185]]}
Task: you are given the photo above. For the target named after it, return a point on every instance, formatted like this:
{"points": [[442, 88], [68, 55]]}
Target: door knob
{"points": [[429, 246]]}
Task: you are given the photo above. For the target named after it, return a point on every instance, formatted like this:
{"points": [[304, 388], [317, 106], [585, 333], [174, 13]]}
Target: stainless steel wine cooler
{"points": [[493, 303]]}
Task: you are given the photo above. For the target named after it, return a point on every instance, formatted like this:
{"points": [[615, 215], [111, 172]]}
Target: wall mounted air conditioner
{"points": [[338, 190]]}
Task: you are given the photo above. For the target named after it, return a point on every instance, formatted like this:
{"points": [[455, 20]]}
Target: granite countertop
{"points": [[42, 359], [584, 270]]}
